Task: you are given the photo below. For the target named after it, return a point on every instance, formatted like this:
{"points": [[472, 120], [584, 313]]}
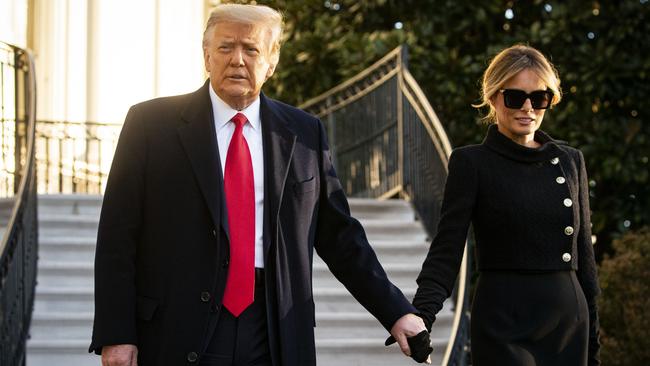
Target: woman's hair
{"points": [[259, 15], [508, 63]]}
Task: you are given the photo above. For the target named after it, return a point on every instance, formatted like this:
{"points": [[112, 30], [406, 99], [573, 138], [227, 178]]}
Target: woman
{"points": [[526, 195]]}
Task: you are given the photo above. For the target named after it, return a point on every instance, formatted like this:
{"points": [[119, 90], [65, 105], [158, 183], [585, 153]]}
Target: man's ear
{"points": [[270, 71]]}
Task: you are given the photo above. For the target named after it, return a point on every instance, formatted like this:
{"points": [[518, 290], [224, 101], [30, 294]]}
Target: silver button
{"points": [[566, 257], [568, 202], [560, 180], [568, 230], [554, 161]]}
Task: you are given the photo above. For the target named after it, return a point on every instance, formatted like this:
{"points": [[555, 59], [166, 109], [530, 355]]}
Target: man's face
{"points": [[238, 58]]}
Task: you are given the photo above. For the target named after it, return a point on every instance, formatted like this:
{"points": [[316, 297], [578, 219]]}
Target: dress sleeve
{"points": [[587, 274], [440, 268]]}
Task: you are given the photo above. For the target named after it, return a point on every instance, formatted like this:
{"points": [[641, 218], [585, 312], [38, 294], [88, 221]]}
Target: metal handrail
{"points": [[407, 158], [74, 157], [440, 139], [19, 244]]}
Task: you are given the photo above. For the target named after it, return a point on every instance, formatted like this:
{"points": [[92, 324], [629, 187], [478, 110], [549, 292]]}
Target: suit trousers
{"points": [[243, 340]]}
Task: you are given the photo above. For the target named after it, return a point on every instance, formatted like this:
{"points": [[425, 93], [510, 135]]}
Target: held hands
{"points": [[412, 336], [120, 355]]}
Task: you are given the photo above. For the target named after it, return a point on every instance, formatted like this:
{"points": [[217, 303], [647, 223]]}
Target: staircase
{"points": [[346, 335]]}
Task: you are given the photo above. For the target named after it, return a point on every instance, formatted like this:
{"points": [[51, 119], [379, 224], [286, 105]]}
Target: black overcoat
{"points": [[162, 246]]}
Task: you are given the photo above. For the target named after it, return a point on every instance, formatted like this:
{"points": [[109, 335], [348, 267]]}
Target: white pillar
{"points": [[95, 58]]}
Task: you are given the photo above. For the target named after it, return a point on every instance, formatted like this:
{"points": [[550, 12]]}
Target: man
{"points": [[213, 207]]}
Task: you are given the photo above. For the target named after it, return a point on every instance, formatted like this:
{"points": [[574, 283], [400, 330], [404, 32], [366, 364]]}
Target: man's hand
{"points": [[407, 326], [120, 355]]}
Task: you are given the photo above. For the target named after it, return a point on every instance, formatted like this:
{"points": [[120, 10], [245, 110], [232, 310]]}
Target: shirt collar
{"points": [[223, 112]]}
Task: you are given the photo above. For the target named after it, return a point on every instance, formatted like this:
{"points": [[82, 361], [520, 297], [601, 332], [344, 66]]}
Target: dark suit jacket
{"points": [[162, 246]]}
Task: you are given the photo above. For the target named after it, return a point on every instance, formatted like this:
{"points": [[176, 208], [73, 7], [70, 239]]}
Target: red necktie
{"points": [[240, 199]]}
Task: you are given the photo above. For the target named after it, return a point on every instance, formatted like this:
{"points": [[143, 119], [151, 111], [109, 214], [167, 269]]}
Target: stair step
{"points": [[63, 299], [65, 274], [330, 352], [339, 299], [400, 274], [412, 253], [61, 325], [346, 334], [384, 230], [76, 204], [67, 248], [386, 209], [369, 351], [330, 325]]}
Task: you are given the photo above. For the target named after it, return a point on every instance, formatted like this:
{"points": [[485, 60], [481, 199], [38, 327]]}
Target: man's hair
{"points": [[248, 14], [508, 63]]}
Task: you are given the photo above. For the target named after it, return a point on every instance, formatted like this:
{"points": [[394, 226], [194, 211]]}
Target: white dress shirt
{"points": [[253, 135]]}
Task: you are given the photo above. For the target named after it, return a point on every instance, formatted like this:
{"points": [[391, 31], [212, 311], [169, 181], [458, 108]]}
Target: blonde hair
{"points": [[508, 63], [248, 14]]}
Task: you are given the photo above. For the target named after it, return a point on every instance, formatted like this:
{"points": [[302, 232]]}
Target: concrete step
{"points": [[63, 299], [346, 334], [391, 230], [71, 221], [60, 352], [67, 248], [362, 324], [80, 299], [61, 325], [339, 299], [66, 273], [369, 352], [402, 275], [399, 251], [387, 209], [72, 204], [77, 204], [329, 352]]}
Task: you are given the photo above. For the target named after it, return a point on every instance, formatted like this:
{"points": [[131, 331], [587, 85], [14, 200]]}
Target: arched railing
{"points": [[18, 246], [387, 141]]}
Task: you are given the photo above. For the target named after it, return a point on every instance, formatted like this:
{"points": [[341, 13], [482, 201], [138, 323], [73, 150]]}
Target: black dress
{"points": [[535, 300]]}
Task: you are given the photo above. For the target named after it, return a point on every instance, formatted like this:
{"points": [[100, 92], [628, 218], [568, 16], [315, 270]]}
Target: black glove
{"points": [[419, 344]]}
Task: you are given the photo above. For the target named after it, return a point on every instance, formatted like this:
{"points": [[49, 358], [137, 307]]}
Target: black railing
{"points": [[386, 142], [74, 157], [18, 247]]}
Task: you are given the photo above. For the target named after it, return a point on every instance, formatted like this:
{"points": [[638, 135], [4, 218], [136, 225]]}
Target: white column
{"points": [[95, 58], [13, 22]]}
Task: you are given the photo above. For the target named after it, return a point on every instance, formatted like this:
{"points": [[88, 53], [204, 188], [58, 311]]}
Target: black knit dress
{"points": [[535, 299]]}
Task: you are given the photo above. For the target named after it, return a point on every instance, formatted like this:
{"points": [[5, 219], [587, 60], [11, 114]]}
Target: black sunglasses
{"points": [[515, 98]]}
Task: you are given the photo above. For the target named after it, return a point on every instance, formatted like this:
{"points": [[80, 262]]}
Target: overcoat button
{"points": [[566, 257], [205, 296], [568, 202], [214, 233], [568, 230], [225, 263], [560, 180], [192, 357], [554, 161]]}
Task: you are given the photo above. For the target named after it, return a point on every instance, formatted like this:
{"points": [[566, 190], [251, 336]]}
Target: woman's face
{"points": [[520, 124]]}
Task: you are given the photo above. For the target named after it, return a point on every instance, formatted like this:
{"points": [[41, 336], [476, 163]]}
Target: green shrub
{"points": [[625, 301]]}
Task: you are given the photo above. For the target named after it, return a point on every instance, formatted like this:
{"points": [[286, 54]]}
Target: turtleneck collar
{"points": [[501, 144]]}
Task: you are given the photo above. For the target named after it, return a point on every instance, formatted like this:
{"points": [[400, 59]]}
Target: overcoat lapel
{"points": [[198, 137], [279, 142]]}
